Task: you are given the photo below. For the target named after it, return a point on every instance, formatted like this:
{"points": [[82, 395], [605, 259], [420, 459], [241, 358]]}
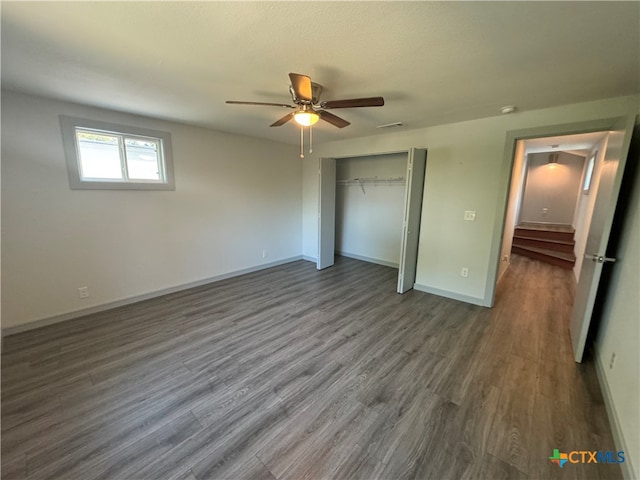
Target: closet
{"points": [[370, 207]]}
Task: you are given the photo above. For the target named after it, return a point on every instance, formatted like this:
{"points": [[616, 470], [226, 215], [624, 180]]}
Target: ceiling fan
{"points": [[308, 108]]}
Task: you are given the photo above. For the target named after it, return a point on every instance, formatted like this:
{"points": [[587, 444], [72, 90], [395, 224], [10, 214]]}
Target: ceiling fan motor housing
{"points": [[316, 91]]}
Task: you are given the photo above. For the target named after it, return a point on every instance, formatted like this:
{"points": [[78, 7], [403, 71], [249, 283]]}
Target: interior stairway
{"points": [[548, 243]]}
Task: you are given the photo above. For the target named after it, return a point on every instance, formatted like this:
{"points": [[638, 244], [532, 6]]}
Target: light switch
{"points": [[470, 215]]}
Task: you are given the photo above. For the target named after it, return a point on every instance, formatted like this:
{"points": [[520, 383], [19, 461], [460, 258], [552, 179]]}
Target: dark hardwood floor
{"points": [[291, 373]]}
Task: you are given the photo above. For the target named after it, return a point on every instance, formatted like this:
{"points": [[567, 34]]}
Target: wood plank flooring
{"points": [[291, 373]]}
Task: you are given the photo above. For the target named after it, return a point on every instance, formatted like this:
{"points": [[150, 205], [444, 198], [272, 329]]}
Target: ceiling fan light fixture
{"points": [[308, 109], [306, 118]]}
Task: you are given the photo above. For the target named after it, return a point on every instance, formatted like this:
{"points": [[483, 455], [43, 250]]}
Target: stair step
{"points": [[555, 245], [549, 227], [560, 259]]}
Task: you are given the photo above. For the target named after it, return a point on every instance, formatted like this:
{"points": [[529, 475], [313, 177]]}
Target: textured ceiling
{"points": [[434, 62]]}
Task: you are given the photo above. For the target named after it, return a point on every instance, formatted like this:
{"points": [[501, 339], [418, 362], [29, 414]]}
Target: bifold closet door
{"points": [[416, 166], [326, 212]]}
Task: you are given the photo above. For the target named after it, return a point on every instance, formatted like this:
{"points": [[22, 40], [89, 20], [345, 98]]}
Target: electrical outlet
{"points": [[613, 361], [464, 272], [265, 254], [83, 292], [470, 215]]}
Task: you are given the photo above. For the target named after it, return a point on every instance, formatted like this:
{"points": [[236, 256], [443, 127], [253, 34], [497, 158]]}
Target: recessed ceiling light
{"points": [[507, 109]]}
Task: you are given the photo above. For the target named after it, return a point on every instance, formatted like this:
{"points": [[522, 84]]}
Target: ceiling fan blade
{"points": [[301, 86], [282, 121], [333, 119], [234, 102], [354, 102]]}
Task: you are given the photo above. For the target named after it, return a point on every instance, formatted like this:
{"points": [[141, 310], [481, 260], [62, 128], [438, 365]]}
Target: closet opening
{"points": [[370, 208]]}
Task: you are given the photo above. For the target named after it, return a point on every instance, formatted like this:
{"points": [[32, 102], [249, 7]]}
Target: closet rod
{"points": [[358, 181]]}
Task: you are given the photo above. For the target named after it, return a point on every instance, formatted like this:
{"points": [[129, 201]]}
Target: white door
{"points": [[326, 212], [411, 221], [598, 237]]}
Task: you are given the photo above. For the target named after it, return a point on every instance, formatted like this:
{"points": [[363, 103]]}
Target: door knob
{"points": [[599, 258]]}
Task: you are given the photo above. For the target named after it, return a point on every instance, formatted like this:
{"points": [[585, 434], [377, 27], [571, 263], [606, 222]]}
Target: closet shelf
{"points": [[361, 182], [371, 181]]}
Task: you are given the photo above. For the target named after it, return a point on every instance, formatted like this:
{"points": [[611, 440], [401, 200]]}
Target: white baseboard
{"points": [[309, 259], [448, 294], [367, 259], [508, 261], [628, 470], [138, 298]]}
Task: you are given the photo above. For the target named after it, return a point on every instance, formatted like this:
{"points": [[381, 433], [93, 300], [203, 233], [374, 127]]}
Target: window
{"points": [[103, 155]]}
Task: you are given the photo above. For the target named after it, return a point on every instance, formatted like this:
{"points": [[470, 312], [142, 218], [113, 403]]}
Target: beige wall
{"points": [[551, 190], [466, 170], [235, 196]]}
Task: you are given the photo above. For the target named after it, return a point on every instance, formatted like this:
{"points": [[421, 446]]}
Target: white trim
{"points": [[43, 322], [368, 259], [309, 258], [628, 471], [68, 126], [451, 295]]}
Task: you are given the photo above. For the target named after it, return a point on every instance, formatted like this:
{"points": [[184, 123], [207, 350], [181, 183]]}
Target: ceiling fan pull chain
{"points": [[310, 138], [301, 142]]}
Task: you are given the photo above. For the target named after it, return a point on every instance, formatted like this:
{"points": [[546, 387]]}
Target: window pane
{"points": [[143, 158], [99, 155], [587, 177]]}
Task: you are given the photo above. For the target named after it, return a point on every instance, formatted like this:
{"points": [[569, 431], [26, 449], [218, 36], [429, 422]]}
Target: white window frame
{"points": [[76, 181]]}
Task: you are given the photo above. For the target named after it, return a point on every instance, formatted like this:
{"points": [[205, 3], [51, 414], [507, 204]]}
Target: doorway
{"points": [[549, 206], [599, 186]]}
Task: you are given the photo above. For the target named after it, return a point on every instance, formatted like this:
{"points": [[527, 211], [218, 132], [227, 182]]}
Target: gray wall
{"points": [[551, 190], [235, 197]]}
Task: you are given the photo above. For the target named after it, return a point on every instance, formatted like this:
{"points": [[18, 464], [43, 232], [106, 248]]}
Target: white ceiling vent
{"points": [[391, 125]]}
